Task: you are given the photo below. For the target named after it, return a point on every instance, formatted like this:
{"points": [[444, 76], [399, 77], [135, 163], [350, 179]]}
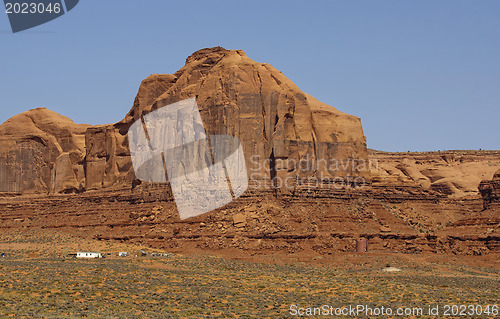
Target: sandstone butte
{"points": [[275, 121], [414, 202]]}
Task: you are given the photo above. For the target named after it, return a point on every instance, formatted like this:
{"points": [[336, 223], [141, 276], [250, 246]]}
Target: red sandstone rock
{"points": [[41, 151], [276, 122]]}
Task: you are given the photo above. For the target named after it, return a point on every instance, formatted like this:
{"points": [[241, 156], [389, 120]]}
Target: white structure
{"points": [[122, 254], [85, 254]]}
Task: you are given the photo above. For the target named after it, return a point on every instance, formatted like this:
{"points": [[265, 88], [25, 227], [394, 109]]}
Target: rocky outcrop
{"points": [[490, 191], [41, 152], [279, 126], [452, 173]]}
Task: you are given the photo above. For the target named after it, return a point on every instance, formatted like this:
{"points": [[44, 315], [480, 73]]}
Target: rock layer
{"points": [[264, 224]]}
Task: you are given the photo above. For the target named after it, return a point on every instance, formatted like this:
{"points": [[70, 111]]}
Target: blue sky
{"points": [[421, 75]]}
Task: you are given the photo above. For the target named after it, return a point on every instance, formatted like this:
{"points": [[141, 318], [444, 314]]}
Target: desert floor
{"points": [[37, 280]]}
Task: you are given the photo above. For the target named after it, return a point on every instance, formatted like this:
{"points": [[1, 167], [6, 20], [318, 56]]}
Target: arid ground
{"points": [[37, 280]]}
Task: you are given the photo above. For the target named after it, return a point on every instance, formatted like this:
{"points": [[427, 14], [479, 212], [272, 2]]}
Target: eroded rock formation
{"points": [[490, 191], [278, 125], [40, 152]]}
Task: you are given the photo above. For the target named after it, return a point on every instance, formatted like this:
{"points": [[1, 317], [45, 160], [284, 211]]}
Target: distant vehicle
{"points": [[123, 254], [2, 255], [85, 254]]}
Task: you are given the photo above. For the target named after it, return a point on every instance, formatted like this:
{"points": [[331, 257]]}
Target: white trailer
{"points": [[85, 254]]}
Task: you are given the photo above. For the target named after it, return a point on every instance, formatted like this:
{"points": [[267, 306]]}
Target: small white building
{"points": [[85, 254]]}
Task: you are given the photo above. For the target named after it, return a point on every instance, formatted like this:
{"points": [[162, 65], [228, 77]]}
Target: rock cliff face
{"points": [[41, 151], [279, 126]]}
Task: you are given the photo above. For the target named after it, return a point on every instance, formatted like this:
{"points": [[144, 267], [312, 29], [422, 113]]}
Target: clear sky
{"points": [[421, 75]]}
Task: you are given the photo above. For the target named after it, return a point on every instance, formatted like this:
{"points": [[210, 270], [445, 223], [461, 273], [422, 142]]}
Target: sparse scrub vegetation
{"points": [[203, 286]]}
